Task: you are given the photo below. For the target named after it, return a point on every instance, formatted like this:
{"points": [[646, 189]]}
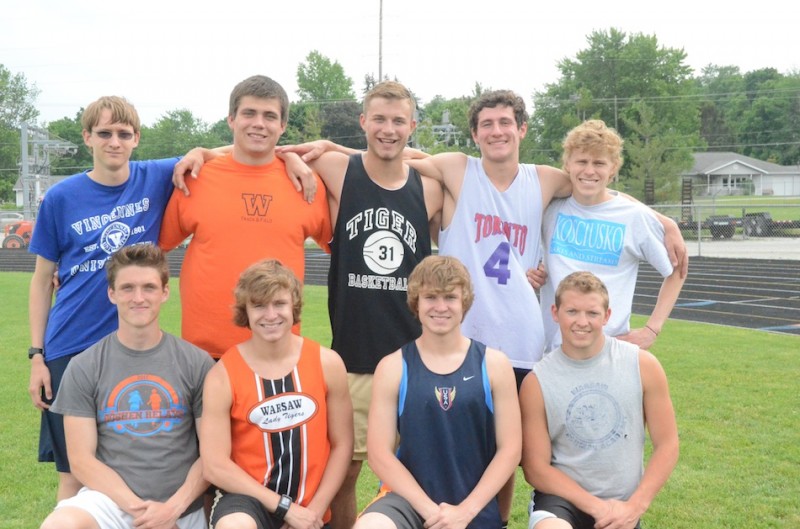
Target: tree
{"points": [[607, 81], [319, 79], [70, 129], [341, 124], [17, 106], [174, 134], [654, 154]]}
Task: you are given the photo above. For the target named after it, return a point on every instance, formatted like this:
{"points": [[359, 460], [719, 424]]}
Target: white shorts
{"points": [[109, 516]]}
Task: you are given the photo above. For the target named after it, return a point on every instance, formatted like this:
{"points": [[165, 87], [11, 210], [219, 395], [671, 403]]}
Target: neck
{"points": [[139, 339], [391, 174], [442, 344], [245, 158], [584, 353], [273, 349], [110, 177]]}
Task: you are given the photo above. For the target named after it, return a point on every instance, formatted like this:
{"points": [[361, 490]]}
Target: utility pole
{"points": [[380, 42]]}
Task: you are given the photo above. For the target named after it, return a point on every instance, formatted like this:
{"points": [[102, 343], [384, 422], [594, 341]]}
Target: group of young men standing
{"points": [[414, 356]]}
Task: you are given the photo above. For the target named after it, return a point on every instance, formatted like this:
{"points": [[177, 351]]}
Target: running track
{"points": [[749, 293]]}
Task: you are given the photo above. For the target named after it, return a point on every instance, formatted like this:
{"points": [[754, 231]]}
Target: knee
{"points": [[236, 521], [68, 518]]}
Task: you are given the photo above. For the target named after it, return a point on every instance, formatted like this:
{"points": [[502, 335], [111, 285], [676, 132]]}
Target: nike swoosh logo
{"points": [[468, 378]]}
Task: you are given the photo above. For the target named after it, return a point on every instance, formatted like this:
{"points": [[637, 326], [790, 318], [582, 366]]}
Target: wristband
{"points": [[651, 330], [283, 507]]}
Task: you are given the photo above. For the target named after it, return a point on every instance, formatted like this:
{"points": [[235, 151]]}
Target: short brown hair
{"points": [[145, 255], [262, 87], [583, 282], [505, 98], [594, 137], [260, 283], [391, 90], [121, 112], [441, 274]]}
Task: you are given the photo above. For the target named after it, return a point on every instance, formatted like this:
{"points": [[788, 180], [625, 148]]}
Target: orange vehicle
{"points": [[18, 234]]}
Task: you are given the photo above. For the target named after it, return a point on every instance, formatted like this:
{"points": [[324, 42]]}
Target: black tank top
{"points": [[380, 236]]}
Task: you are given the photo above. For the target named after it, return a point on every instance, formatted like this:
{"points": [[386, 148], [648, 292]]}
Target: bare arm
{"points": [[81, 437], [340, 431], [646, 336], [382, 433], [40, 298], [191, 163], [312, 150], [554, 183]]}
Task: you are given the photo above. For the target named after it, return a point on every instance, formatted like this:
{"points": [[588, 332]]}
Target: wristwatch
{"points": [[283, 507], [33, 351]]}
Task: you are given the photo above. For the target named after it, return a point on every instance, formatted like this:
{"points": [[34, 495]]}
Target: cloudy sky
{"points": [[175, 54]]}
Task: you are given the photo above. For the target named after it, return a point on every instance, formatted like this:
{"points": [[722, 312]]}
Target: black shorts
{"points": [[520, 375], [397, 509], [52, 441], [564, 510], [226, 503]]}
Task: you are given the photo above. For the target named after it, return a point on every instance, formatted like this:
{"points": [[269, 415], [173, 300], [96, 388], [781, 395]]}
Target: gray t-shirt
{"points": [[145, 404]]}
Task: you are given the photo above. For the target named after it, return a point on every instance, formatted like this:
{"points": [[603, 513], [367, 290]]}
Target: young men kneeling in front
{"points": [[277, 436], [454, 404], [585, 409], [131, 405]]}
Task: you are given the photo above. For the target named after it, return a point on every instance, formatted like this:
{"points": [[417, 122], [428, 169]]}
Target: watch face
{"points": [[33, 351]]}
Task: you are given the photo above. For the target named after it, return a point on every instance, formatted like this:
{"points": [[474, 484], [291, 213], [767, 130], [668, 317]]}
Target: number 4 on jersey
{"points": [[497, 264]]}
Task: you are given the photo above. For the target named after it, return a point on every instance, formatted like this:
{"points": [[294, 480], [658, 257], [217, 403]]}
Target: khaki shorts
{"points": [[361, 393]]}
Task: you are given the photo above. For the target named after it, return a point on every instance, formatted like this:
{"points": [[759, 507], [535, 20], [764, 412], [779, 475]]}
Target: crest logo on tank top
{"points": [[445, 396]]}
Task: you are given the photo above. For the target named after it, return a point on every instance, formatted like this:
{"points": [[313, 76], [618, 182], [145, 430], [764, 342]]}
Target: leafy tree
{"points": [[607, 81], [319, 79], [304, 123], [70, 129], [655, 154], [17, 106], [341, 124], [449, 125], [175, 133]]}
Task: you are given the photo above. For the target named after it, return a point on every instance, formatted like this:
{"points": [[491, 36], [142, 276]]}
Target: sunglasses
{"points": [[123, 135]]}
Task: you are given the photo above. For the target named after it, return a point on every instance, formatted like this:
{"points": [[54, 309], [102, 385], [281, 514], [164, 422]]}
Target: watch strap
{"points": [[33, 351], [283, 507]]}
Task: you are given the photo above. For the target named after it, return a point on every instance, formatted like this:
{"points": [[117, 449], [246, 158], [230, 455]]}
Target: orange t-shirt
{"points": [[237, 215], [279, 428]]}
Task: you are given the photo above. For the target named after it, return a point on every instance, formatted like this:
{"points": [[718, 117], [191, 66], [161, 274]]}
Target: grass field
{"points": [[736, 396]]}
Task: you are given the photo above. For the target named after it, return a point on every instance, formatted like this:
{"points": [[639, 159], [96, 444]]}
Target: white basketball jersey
{"points": [[497, 236]]}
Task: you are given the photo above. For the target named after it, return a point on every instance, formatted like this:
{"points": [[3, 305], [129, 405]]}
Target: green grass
{"points": [[735, 393]]}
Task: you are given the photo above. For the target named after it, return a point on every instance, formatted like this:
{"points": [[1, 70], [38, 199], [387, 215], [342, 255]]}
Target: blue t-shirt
{"points": [[80, 224]]}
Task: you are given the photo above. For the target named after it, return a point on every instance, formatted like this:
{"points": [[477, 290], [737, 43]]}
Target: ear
{"points": [[111, 296], [86, 135], [608, 316], [362, 120], [230, 121], [136, 137], [554, 312], [523, 130], [165, 296]]}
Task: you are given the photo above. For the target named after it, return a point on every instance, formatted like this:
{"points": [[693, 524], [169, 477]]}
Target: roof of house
{"points": [[706, 163]]}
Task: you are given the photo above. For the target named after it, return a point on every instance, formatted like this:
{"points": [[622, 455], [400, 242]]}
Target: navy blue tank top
{"points": [[446, 426]]}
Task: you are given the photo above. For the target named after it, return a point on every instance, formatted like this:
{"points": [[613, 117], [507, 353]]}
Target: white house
{"points": [[728, 173]]}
